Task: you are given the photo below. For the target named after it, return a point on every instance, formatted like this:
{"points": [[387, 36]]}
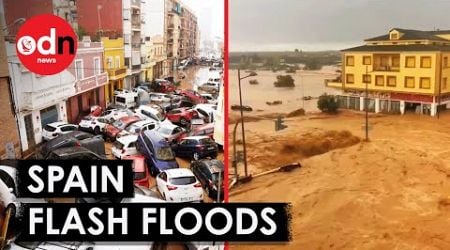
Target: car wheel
{"points": [[96, 130], [183, 121], [196, 156]]}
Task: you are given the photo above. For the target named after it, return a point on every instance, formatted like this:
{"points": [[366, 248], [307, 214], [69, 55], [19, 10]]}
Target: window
{"points": [[367, 60], [379, 80], [97, 69], [117, 62], [425, 62], [444, 83], [350, 78], [79, 69], [394, 36], [425, 82], [391, 81], [367, 78], [109, 62], [396, 61], [350, 61], [410, 62], [445, 62], [409, 82]]}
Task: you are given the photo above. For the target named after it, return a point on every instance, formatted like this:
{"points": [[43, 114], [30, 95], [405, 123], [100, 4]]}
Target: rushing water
{"points": [[308, 83]]}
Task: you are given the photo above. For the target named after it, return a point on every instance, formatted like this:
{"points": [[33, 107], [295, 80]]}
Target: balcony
{"points": [[386, 62], [115, 74]]}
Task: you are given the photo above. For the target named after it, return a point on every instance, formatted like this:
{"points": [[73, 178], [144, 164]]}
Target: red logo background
{"points": [[37, 27]]}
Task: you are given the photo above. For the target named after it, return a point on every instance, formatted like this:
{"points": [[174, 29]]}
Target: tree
{"points": [[328, 103], [296, 51], [284, 81], [81, 32]]}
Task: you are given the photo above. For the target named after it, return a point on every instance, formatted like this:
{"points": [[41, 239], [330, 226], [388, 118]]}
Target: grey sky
{"points": [[210, 15], [257, 25]]}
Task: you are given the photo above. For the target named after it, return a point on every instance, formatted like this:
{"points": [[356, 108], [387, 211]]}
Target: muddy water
{"points": [[195, 76], [308, 83]]}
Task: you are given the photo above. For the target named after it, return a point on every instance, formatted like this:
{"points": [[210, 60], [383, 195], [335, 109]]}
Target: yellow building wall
{"points": [[446, 73], [113, 48], [359, 69]]}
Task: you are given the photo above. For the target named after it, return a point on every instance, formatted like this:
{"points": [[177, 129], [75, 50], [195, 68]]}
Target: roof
{"points": [[127, 138], [198, 137], [399, 48], [57, 124], [156, 138], [178, 172], [409, 34], [214, 164]]}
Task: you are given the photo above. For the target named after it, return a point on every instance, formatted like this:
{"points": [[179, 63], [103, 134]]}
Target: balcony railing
{"points": [[116, 72], [386, 68]]}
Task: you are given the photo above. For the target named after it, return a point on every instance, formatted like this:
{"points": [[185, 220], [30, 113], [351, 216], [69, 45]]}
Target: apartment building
{"points": [[115, 19], [172, 28], [188, 34], [402, 71]]}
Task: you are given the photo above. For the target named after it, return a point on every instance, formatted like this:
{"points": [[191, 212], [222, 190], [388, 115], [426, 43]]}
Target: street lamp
{"points": [[242, 117]]}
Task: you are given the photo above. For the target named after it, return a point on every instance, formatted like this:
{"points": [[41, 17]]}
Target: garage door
{"points": [[49, 115]]}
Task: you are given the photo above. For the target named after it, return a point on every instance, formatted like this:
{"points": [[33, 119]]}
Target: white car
{"points": [[179, 185], [8, 190], [115, 114], [170, 131], [206, 111], [122, 91], [139, 126], [52, 130], [124, 146], [159, 97], [150, 111], [93, 124]]}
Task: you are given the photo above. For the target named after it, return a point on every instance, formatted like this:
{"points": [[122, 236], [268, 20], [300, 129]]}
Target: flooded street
{"points": [[308, 83], [194, 76]]}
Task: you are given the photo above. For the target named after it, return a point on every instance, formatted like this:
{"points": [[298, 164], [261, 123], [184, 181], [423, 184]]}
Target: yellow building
{"points": [[404, 70], [114, 63]]}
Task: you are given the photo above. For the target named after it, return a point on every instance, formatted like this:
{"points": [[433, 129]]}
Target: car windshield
{"points": [[118, 145], [160, 116], [183, 180], [49, 128], [165, 154], [216, 175], [206, 141], [132, 128], [164, 131], [118, 124]]}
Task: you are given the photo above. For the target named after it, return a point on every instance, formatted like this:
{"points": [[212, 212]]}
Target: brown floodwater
{"points": [[308, 83]]}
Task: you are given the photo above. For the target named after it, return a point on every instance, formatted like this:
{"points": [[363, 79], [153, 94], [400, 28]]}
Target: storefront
{"points": [[90, 92]]}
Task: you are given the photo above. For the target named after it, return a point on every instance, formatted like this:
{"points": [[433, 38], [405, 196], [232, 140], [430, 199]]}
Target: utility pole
{"points": [[366, 106]]}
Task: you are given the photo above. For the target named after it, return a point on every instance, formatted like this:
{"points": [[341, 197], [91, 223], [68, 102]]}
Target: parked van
{"points": [[126, 100]]}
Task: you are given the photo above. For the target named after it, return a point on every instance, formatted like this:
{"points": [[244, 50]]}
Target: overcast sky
{"points": [[210, 17], [257, 25]]}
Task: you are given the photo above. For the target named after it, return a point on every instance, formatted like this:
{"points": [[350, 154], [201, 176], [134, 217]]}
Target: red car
{"points": [[181, 115], [207, 129], [195, 97], [163, 86], [140, 170], [112, 130]]}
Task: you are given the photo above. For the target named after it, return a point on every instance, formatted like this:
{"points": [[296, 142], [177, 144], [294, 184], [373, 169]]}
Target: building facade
{"points": [[114, 64], [9, 135], [38, 100], [403, 71], [172, 28], [188, 34], [89, 80], [147, 60], [159, 58]]}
